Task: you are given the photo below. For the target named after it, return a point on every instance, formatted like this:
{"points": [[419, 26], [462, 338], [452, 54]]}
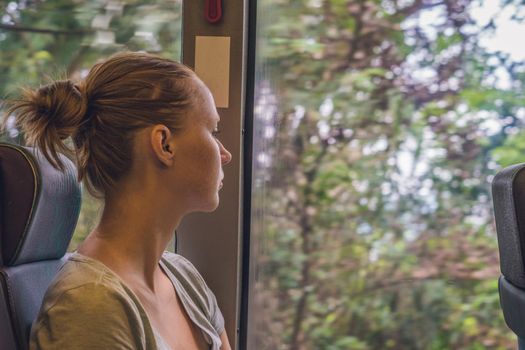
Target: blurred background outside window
{"points": [[379, 127]]}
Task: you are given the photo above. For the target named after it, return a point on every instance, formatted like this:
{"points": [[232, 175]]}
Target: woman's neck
{"points": [[132, 234]]}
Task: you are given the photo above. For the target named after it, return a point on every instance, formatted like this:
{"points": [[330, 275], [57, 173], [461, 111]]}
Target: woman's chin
{"points": [[212, 205], [206, 203]]}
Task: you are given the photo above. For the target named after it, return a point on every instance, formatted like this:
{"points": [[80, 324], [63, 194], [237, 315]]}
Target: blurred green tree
{"points": [[386, 123]]}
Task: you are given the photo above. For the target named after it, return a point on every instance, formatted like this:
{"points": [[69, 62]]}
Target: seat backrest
{"points": [[508, 195], [39, 208]]}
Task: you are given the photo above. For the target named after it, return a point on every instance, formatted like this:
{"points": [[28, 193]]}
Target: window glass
{"points": [[378, 127], [42, 40]]}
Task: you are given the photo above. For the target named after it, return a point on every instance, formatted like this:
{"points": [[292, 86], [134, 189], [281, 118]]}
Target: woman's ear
{"points": [[163, 144]]}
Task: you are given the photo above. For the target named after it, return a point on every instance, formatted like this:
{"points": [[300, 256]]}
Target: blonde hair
{"points": [[127, 92]]}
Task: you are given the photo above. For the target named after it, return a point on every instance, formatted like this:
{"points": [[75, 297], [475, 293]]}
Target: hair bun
{"points": [[49, 115], [62, 106]]}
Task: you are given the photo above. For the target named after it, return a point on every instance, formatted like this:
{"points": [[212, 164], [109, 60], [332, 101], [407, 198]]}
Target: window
{"points": [[378, 126]]}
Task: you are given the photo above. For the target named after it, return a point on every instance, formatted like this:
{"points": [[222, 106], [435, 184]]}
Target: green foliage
{"points": [[385, 181], [511, 152]]}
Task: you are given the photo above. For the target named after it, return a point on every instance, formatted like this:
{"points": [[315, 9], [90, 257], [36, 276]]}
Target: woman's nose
{"points": [[226, 156]]}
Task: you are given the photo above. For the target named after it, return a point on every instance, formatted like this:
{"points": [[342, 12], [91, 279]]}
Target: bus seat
{"points": [[39, 208], [508, 195]]}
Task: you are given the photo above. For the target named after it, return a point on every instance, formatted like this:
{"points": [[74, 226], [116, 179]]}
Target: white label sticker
{"points": [[212, 65]]}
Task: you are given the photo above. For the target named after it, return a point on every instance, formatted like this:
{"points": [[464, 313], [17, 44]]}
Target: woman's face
{"points": [[200, 155]]}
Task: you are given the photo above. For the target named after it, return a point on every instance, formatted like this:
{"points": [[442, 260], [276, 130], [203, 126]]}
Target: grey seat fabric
{"points": [[508, 194], [39, 208]]}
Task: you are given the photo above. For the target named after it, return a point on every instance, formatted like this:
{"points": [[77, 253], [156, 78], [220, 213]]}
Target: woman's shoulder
{"points": [[176, 259], [85, 299], [187, 274], [196, 288], [80, 278], [79, 271], [178, 264]]}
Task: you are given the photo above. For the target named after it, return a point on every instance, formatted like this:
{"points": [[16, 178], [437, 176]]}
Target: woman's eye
{"points": [[216, 132]]}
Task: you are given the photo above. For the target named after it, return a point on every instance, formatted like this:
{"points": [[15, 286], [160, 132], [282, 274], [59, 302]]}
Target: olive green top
{"points": [[88, 306]]}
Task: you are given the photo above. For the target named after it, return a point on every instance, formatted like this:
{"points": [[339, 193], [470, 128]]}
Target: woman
{"points": [[144, 139]]}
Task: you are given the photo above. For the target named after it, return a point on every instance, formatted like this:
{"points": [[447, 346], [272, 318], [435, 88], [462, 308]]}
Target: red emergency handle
{"points": [[213, 10]]}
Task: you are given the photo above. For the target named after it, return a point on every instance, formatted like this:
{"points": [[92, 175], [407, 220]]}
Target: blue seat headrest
{"points": [[39, 206]]}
